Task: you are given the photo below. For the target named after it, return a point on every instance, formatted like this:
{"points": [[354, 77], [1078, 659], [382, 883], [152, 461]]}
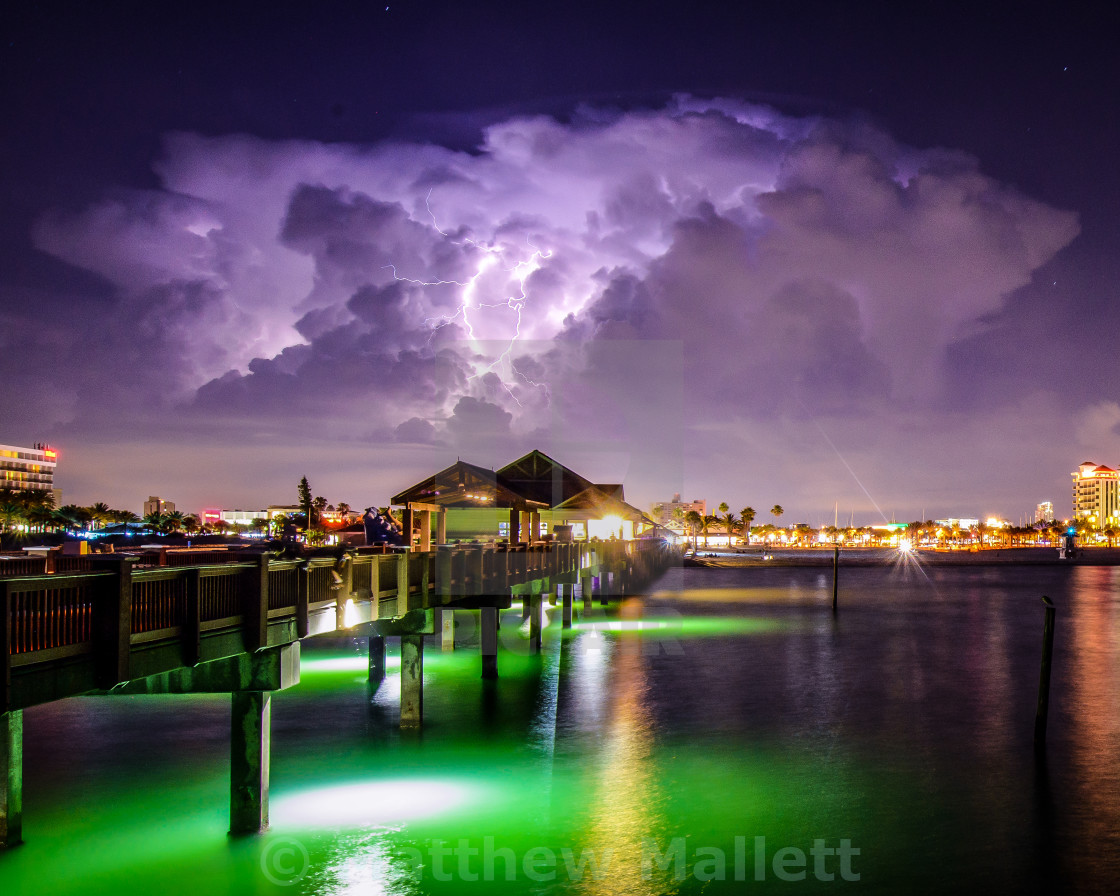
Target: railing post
{"points": [[443, 572], [6, 647], [255, 611], [303, 599], [403, 602], [112, 622], [192, 629]]}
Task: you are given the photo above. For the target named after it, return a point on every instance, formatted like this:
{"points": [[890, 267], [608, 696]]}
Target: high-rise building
{"points": [[1044, 512], [1096, 495], [156, 504], [665, 512], [27, 469]]}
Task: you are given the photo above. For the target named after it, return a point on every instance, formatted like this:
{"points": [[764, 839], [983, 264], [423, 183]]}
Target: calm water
{"points": [[726, 726]]}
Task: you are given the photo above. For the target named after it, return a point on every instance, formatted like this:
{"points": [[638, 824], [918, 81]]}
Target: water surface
{"points": [[725, 732]]}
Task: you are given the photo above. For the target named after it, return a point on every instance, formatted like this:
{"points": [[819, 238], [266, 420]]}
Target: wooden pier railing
{"points": [[120, 618]]}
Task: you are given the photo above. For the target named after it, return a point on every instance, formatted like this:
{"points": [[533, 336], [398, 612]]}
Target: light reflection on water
{"points": [[727, 704]]}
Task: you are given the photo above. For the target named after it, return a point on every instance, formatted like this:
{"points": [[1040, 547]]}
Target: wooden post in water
{"points": [[377, 658], [533, 601], [835, 574], [586, 589], [250, 733], [412, 680], [1044, 675], [446, 629], [11, 778], [566, 591], [488, 641]]}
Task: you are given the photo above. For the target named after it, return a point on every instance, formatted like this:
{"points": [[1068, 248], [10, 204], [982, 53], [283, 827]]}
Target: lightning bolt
{"points": [[472, 298]]}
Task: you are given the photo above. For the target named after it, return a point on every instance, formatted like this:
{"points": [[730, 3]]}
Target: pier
{"points": [[177, 623]]}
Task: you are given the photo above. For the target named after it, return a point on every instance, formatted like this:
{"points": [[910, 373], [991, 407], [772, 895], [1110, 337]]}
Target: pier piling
{"points": [[412, 680], [533, 602], [488, 641], [835, 574], [1043, 709], [250, 736], [567, 599], [447, 629], [11, 784], [377, 658]]}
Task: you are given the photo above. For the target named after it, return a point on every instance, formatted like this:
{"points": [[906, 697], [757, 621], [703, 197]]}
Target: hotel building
{"points": [[28, 469], [1096, 495]]}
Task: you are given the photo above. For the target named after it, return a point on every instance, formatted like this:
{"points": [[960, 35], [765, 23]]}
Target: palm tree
{"points": [[76, 517], [747, 515], [708, 522], [343, 509], [173, 521], [695, 522], [191, 524], [776, 511], [11, 513], [153, 520], [100, 513], [318, 505], [730, 521]]}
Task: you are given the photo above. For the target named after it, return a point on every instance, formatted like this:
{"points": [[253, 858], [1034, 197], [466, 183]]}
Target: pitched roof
{"points": [[601, 503], [461, 485], [538, 478]]}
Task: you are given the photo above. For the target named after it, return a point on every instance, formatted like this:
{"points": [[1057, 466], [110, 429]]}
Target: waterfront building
{"points": [[156, 504], [1044, 512], [666, 512], [243, 518], [1096, 495], [29, 469], [483, 503]]}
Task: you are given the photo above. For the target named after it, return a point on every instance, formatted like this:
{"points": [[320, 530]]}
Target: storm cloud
{"points": [[751, 284]]}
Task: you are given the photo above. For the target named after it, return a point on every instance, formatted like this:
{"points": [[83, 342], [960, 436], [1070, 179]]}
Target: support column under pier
{"points": [[377, 658], [447, 629], [488, 641], [604, 587], [11, 782], [412, 680], [586, 587], [533, 601], [567, 599], [250, 736]]}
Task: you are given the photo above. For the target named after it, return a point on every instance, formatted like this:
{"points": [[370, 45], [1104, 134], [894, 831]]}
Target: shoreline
{"points": [[1030, 556]]}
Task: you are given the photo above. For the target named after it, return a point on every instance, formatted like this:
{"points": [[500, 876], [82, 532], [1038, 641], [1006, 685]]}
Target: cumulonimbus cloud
{"points": [[793, 258]]}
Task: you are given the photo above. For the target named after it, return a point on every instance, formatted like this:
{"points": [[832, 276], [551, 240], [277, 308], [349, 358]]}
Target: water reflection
{"points": [[625, 803]]}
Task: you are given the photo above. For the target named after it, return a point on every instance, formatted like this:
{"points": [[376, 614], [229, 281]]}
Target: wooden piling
{"points": [[835, 574], [412, 680], [250, 735], [1043, 709], [488, 641], [376, 658], [11, 778]]}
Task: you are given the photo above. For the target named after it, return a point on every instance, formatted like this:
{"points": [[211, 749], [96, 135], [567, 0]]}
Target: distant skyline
{"points": [[814, 254]]}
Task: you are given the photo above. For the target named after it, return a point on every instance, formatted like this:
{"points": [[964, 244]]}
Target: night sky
{"points": [[850, 258]]}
